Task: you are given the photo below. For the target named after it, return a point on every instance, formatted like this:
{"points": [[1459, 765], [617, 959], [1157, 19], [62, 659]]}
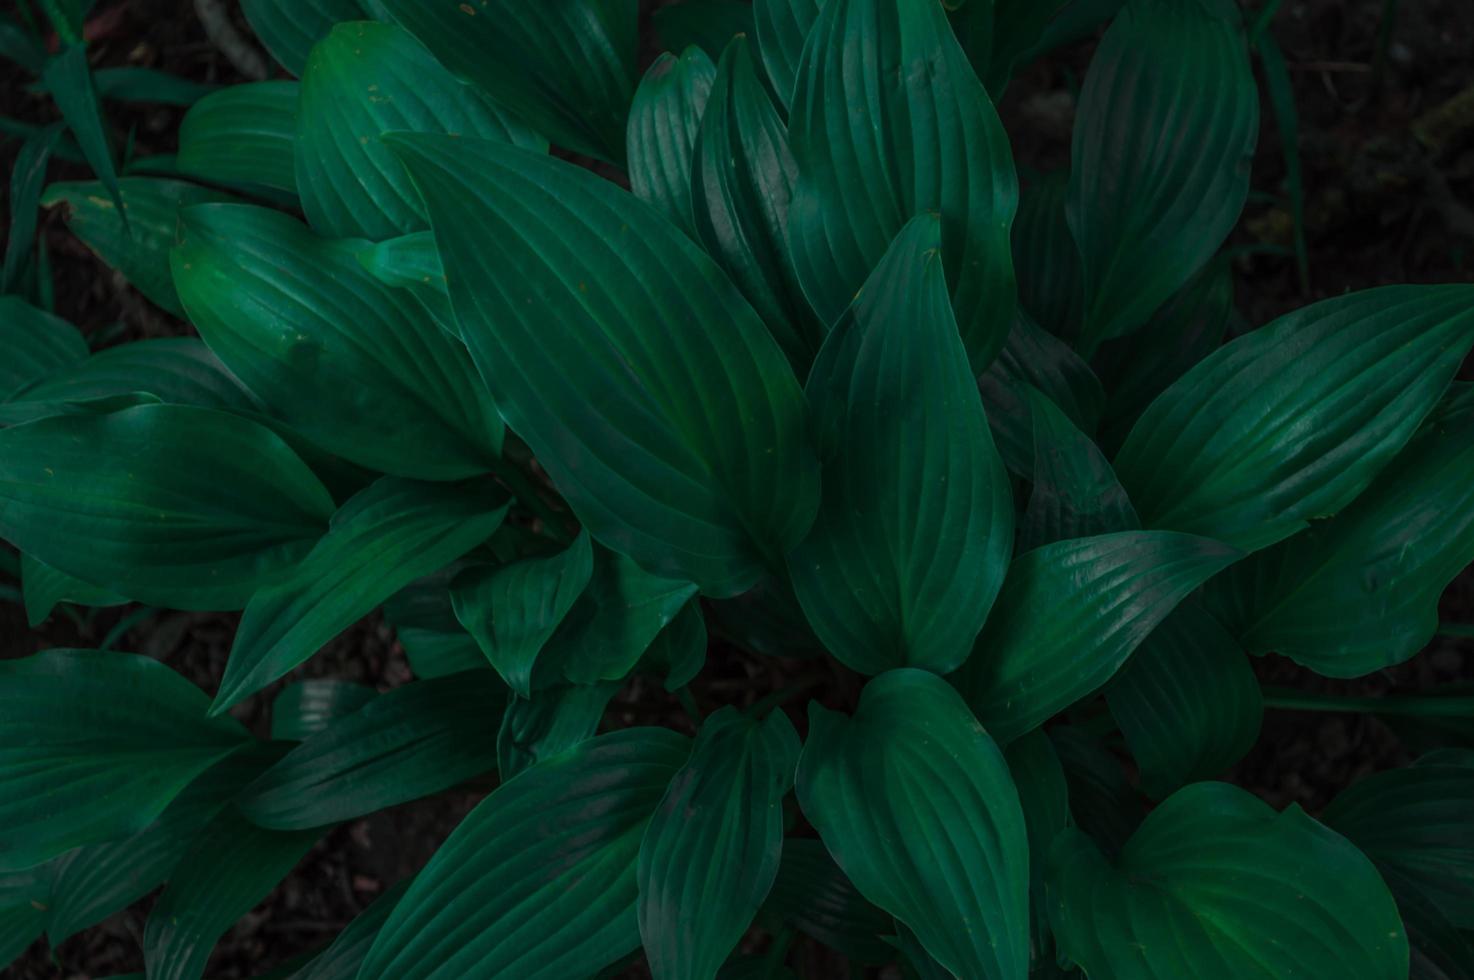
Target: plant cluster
{"points": [[822, 385]]}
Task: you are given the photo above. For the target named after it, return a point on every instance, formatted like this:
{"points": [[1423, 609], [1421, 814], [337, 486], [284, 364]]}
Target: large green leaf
{"points": [[566, 67], [37, 345], [1187, 702], [1046, 258], [813, 895], [175, 506], [711, 850], [413, 741], [742, 183], [139, 249], [1292, 421], [94, 745], [916, 804], [1037, 655], [512, 610], [69, 80], [356, 366], [664, 119], [1148, 211], [915, 528], [928, 140], [538, 882], [381, 540], [290, 28], [782, 27], [363, 80], [684, 449], [243, 136], [1359, 592], [1216, 884]]}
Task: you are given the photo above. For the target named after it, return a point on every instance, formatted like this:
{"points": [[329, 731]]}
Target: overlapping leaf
{"points": [[290, 28], [782, 27], [243, 136], [37, 345], [663, 123], [813, 895], [549, 723]]}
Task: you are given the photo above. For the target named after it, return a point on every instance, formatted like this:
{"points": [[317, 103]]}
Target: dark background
{"points": [[1385, 94]]}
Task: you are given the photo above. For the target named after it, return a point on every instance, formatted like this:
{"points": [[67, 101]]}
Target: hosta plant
{"points": [[604, 375]]}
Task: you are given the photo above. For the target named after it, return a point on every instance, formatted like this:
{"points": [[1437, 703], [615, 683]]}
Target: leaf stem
{"points": [[1433, 706]]}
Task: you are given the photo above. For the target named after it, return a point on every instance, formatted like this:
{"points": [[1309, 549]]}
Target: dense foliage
{"points": [[824, 385]]}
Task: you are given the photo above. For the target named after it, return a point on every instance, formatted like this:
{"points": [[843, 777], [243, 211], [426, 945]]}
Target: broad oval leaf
{"points": [[782, 28], [94, 745], [243, 136], [1216, 884], [930, 141], [289, 28], [1292, 421], [309, 707], [915, 527], [538, 882], [354, 365], [37, 345], [664, 119], [711, 850], [1037, 656], [381, 540], [916, 804], [682, 448], [1146, 211], [363, 80], [175, 506]]}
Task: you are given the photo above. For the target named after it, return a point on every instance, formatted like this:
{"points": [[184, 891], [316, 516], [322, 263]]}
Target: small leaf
{"points": [[813, 895], [663, 122], [554, 720], [710, 852], [290, 28], [37, 346], [538, 882], [1292, 421], [916, 804], [244, 136], [915, 526], [782, 28], [309, 707], [94, 745], [69, 80], [1037, 656], [381, 540], [412, 262]]}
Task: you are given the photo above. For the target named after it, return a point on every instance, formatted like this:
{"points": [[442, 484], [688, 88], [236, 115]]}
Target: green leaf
{"points": [[1216, 884], [538, 882], [22, 47], [341, 960], [813, 895], [916, 804], [782, 28], [1045, 799], [363, 80], [1147, 212], [679, 650], [929, 141], [742, 183], [711, 850], [173, 506], [412, 262], [355, 366], [138, 249], [434, 643], [1102, 802], [27, 175], [37, 345], [309, 707], [132, 84], [683, 449], [381, 540], [243, 136], [554, 720], [1359, 592], [1292, 421], [69, 80], [94, 745], [916, 524], [1022, 30], [231, 866], [663, 122], [1187, 702], [410, 742], [43, 587], [290, 28], [1050, 280], [513, 610], [568, 69], [1037, 656], [766, 619], [23, 910], [707, 24]]}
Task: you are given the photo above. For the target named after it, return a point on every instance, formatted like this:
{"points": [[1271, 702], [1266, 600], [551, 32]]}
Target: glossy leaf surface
{"points": [[243, 136], [664, 120]]}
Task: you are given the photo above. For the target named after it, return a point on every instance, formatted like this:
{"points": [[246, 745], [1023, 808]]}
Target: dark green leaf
{"points": [[916, 524], [815, 897], [381, 540], [766, 619], [538, 882], [929, 141], [434, 643], [782, 27], [1216, 884], [243, 136], [554, 720], [412, 262], [1102, 802], [1147, 212], [290, 28], [1037, 656], [683, 449], [94, 745], [23, 910], [27, 175], [175, 506], [69, 79], [1045, 799], [37, 345], [134, 84], [1292, 421], [664, 118], [916, 804], [43, 587], [25, 49], [354, 365], [1022, 30], [309, 707], [711, 850], [679, 650], [1050, 285], [341, 960], [707, 24], [568, 69]]}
